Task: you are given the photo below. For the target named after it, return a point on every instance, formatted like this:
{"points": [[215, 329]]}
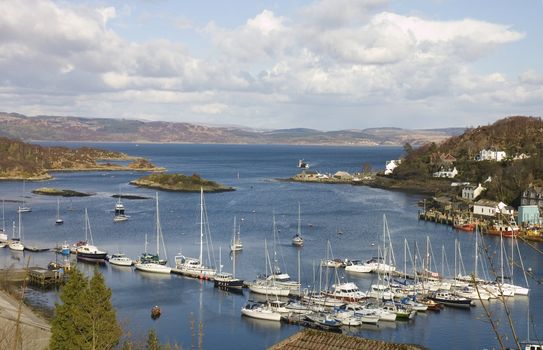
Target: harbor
{"points": [[349, 217]]}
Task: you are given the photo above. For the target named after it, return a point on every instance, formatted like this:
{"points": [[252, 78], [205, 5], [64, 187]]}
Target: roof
{"points": [[311, 339], [486, 203]]}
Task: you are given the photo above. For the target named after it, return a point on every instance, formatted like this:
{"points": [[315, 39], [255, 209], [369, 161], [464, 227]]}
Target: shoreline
{"points": [[47, 176]]}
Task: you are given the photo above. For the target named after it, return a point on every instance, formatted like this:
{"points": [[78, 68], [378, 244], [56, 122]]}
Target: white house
{"points": [[489, 208], [390, 165], [488, 154], [446, 173], [471, 192]]}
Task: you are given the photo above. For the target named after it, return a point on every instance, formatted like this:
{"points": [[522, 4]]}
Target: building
{"points": [[488, 154], [445, 159], [471, 192], [343, 175], [311, 339], [533, 195], [529, 215], [485, 207], [390, 165], [446, 173]]}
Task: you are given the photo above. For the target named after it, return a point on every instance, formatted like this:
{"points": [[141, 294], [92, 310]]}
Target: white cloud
{"points": [[347, 58]]}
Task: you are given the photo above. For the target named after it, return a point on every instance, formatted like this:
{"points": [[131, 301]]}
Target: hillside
{"points": [[58, 128], [20, 160], [520, 137]]}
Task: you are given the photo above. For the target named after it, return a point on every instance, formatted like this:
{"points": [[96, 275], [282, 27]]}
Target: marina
{"points": [[358, 210]]}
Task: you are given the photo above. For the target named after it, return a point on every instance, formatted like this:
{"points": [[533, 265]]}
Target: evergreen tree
{"points": [[152, 341], [65, 333], [101, 328], [85, 319]]}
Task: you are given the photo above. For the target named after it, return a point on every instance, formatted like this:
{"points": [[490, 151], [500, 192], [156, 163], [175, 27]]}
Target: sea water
{"points": [[350, 217]]}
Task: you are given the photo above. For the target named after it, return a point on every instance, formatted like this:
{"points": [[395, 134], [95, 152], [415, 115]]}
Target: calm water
{"points": [[326, 209]]}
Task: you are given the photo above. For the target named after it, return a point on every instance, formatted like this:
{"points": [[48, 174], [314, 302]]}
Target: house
{"points": [[488, 154], [471, 192], [529, 215], [485, 207], [442, 159], [343, 175], [446, 173], [533, 195], [390, 165]]}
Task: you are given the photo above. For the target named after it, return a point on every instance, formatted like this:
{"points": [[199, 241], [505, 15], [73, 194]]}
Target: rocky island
{"points": [[25, 161], [48, 191], [180, 183]]}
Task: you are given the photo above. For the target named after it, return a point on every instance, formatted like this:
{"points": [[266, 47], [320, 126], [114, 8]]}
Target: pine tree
{"points": [[152, 341], [85, 319], [65, 332], [102, 330]]}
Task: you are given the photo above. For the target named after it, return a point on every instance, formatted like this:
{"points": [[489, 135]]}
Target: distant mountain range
{"points": [[60, 128]]}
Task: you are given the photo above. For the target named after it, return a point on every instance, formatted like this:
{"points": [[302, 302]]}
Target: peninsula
{"points": [[25, 161], [180, 183]]}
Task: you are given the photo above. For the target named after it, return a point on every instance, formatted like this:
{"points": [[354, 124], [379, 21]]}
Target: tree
{"points": [[152, 341], [85, 319]]}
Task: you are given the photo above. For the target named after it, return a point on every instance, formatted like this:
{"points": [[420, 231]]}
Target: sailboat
{"points": [[228, 280], [86, 251], [119, 210], [194, 267], [3, 234], [297, 240], [15, 243], [58, 221], [266, 285], [149, 262], [23, 208], [236, 244]]}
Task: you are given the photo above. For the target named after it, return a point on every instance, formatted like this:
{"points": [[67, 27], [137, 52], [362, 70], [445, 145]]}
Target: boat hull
{"points": [[154, 268]]}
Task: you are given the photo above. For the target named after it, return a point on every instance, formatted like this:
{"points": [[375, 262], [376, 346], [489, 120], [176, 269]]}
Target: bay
{"points": [[356, 211]]}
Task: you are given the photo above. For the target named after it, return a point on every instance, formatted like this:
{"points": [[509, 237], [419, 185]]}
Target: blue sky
{"points": [[326, 64]]}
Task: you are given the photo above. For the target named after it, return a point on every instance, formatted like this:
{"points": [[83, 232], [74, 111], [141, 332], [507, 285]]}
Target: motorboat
{"points": [[260, 311], [120, 259], [347, 291], [448, 299], [357, 266]]}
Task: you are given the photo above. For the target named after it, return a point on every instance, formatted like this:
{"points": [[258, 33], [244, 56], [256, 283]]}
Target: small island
{"points": [[48, 191], [180, 183]]}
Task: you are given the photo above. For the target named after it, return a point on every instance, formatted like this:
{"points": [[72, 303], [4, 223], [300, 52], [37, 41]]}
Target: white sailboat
{"points": [[236, 244], [23, 208], [15, 243], [268, 286], [297, 240], [119, 210], [58, 221], [151, 263], [194, 267]]}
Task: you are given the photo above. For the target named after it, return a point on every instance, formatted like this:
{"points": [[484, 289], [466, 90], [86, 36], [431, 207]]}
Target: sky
{"points": [[325, 64]]}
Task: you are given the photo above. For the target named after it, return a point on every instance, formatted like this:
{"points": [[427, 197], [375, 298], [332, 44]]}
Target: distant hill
{"points": [[60, 128]]}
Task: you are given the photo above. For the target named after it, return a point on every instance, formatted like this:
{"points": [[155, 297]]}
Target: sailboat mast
{"points": [[234, 264], [501, 255], [299, 220], [19, 225], [157, 227], [3, 217], [201, 223], [299, 277], [86, 226]]}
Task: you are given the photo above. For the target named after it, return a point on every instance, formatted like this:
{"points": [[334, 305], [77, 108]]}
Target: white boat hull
{"points": [[269, 290], [121, 262], [261, 314], [154, 268], [16, 246]]}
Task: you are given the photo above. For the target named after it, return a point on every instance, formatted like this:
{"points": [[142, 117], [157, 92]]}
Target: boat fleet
{"points": [[395, 295]]}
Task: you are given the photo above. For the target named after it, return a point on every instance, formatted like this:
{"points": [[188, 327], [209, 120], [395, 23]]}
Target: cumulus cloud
{"points": [[350, 56]]}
